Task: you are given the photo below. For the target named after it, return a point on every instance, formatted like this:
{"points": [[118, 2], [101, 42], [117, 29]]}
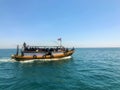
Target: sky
{"points": [[80, 23]]}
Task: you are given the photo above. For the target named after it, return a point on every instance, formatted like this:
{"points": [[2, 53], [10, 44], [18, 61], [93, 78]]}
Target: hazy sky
{"points": [[84, 23]]}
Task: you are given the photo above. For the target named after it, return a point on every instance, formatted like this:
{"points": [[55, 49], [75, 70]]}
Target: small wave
{"points": [[2, 60], [27, 61], [57, 59]]}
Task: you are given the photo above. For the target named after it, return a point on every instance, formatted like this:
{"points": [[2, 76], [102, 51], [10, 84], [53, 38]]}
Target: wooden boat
{"points": [[43, 53]]}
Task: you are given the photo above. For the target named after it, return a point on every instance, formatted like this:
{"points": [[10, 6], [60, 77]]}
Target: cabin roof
{"points": [[45, 46]]}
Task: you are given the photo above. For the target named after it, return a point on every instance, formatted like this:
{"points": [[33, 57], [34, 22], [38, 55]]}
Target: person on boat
{"points": [[24, 45], [73, 48], [22, 53], [57, 49], [63, 49], [51, 49], [66, 49]]}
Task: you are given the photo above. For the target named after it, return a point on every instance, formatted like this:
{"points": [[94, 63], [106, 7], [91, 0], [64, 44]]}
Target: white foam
{"points": [[68, 57], [27, 61], [2, 60], [56, 59]]}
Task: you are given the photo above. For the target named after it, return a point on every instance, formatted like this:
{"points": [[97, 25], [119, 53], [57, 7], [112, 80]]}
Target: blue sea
{"points": [[88, 69]]}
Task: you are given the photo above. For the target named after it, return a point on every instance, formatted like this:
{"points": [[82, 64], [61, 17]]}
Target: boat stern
{"points": [[13, 56]]}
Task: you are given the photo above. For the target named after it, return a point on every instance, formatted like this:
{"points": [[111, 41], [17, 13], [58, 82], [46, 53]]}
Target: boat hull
{"points": [[65, 55]]}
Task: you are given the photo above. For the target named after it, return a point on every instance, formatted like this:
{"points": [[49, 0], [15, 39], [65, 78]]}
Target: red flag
{"points": [[59, 39]]}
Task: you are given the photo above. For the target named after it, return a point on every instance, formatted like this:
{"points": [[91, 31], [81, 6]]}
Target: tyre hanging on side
{"points": [[34, 57]]}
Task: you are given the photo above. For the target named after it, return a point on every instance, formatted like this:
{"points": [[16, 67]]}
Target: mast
{"points": [[17, 50], [60, 41]]}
